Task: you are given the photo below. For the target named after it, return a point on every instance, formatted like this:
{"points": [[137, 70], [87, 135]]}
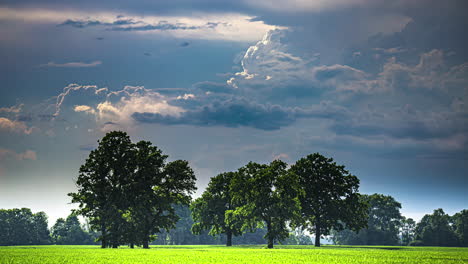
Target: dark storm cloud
{"points": [[80, 24], [122, 24], [232, 113], [160, 26], [242, 112]]}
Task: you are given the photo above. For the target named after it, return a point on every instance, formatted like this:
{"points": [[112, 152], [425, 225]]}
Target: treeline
{"points": [[22, 227], [386, 226], [130, 193]]}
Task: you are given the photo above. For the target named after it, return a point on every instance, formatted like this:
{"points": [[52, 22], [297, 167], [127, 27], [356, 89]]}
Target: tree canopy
{"points": [[22, 227], [383, 223], [266, 195], [329, 196], [436, 230], [128, 190], [209, 211]]}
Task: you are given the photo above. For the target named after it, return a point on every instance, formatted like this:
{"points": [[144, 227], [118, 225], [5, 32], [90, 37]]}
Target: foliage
{"points": [[210, 209], [69, 232], [128, 191], [408, 226], [436, 230], [265, 194], [22, 227], [460, 225], [383, 223], [330, 197], [182, 235]]}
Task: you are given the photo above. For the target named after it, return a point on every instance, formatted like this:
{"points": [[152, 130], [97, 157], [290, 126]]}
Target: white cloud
{"points": [[84, 108], [72, 64], [79, 94], [14, 126], [185, 97], [114, 109]]}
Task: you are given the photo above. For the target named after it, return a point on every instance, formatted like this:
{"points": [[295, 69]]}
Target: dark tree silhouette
{"points": [[128, 191], [330, 197], [209, 211]]}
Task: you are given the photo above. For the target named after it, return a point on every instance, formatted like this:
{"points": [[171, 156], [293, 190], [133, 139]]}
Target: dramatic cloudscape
{"points": [[380, 86]]}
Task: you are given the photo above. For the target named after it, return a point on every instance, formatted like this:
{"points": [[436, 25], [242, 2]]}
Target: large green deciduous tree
{"points": [[266, 194], [209, 211], [128, 191], [101, 186], [330, 197], [159, 187]]}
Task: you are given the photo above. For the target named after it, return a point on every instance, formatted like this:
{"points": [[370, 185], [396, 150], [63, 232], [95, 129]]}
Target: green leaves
{"points": [[214, 208], [128, 191], [329, 195], [266, 194]]}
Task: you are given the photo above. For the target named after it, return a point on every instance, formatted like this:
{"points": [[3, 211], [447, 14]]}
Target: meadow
{"points": [[235, 254]]}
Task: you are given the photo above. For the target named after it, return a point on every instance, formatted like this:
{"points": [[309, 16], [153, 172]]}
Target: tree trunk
{"points": [[269, 235], [115, 246], [103, 239], [317, 234], [229, 238], [132, 245], [145, 244]]}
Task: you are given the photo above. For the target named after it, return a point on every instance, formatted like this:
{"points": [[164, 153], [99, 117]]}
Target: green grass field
{"points": [[235, 254]]}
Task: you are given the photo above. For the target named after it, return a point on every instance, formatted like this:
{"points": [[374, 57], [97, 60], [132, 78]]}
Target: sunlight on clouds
{"points": [[220, 26], [84, 108], [114, 110], [14, 126]]}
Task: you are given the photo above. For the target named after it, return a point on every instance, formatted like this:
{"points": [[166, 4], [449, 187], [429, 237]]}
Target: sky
{"points": [[380, 86]]}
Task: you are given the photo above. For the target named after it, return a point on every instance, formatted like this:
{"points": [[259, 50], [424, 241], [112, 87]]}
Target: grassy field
{"points": [[235, 254]]}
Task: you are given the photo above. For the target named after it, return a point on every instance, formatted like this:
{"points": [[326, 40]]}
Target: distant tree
{"points": [[267, 194], [330, 197], [22, 227], [298, 237], [460, 225], [210, 209], [408, 226], [70, 232], [383, 223], [384, 220], [436, 230]]}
